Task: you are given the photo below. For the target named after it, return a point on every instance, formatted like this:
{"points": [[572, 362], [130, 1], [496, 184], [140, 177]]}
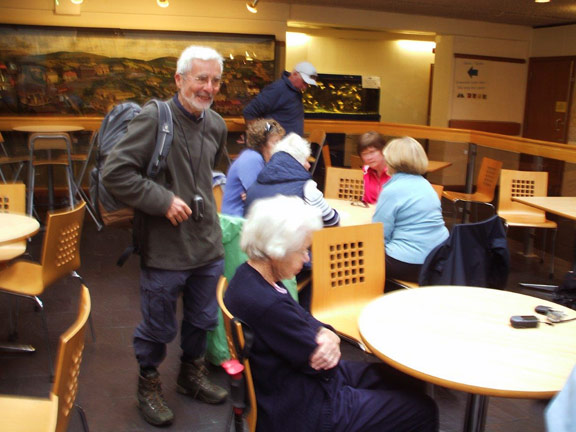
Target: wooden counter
{"points": [[512, 144]]}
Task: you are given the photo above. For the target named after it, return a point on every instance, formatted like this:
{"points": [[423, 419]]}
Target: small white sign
{"points": [[370, 82]]}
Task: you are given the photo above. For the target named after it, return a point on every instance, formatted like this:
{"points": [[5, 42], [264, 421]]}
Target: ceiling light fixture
{"points": [[77, 1], [163, 3], [542, 1], [251, 5]]}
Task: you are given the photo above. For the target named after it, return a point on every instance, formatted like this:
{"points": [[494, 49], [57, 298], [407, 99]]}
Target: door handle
{"points": [[558, 124]]}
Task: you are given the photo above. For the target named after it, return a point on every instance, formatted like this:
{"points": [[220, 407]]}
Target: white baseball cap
{"points": [[308, 72]]}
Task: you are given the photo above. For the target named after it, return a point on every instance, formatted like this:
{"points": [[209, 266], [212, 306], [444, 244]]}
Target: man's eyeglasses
{"points": [[205, 80]]}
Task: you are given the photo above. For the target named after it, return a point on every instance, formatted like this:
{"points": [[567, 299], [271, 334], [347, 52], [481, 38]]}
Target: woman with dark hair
{"points": [[370, 146], [261, 137]]}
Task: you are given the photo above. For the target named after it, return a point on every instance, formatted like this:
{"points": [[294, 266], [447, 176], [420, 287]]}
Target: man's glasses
{"points": [[205, 80]]}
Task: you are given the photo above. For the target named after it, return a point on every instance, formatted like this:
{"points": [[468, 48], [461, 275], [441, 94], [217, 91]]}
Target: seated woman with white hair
{"points": [[300, 381], [287, 174]]}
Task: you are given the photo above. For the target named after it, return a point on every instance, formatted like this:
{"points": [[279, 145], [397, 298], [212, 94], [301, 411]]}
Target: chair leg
{"points": [[83, 419], [465, 210], [544, 238], [89, 207], [31, 174], [18, 171], [48, 346], [71, 186], [92, 331], [553, 252], [13, 330]]}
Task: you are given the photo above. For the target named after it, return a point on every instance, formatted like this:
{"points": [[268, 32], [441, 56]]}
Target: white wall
{"points": [[554, 41]]}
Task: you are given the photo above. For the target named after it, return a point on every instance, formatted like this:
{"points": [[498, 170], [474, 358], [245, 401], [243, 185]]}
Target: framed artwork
{"points": [[84, 72]]}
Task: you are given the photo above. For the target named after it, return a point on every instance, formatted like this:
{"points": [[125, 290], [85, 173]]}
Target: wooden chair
{"points": [[348, 271], [217, 350], [13, 200], [439, 190], [485, 185], [24, 414], [218, 192], [235, 332], [344, 183], [326, 155], [60, 257], [525, 184], [356, 162], [317, 139]]}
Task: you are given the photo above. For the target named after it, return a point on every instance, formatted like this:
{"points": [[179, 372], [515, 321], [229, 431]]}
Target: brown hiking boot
{"points": [[193, 381], [151, 402]]}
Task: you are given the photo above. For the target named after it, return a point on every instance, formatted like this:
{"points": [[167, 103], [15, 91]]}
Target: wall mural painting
{"points": [[84, 72]]}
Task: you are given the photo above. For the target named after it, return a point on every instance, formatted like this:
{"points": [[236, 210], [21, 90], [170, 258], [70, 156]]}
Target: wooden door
{"points": [[547, 112]]}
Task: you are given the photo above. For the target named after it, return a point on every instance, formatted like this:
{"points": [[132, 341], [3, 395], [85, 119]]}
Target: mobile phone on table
{"points": [[524, 321]]}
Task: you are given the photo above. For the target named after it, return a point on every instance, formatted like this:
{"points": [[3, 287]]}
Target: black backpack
{"points": [[111, 211]]}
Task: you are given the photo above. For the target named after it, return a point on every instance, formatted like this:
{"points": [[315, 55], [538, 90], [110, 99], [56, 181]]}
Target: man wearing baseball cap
{"points": [[282, 100]]}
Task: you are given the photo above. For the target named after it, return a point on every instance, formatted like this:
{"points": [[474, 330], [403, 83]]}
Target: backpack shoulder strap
{"points": [[157, 163], [163, 139]]}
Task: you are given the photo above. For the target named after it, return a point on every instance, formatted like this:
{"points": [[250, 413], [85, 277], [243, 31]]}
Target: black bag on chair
{"points": [[475, 254]]}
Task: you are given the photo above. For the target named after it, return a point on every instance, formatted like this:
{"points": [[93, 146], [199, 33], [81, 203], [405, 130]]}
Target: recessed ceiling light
{"points": [[251, 5]]}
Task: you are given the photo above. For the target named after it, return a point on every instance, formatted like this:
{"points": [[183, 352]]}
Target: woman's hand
{"points": [[327, 353]]}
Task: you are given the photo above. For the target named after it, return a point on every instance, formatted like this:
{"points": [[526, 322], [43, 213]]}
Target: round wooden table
{"points": [[461, 338], [352, 214], [14, 227]]}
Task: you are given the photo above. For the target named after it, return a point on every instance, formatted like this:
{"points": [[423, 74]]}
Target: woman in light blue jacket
{"points": [[410, 210]]}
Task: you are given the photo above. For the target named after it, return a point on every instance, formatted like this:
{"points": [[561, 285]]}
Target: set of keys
{"points": [[553, 316]]}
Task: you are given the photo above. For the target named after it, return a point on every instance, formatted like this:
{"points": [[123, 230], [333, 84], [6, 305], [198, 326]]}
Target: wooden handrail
{"points": [[513, 144]]}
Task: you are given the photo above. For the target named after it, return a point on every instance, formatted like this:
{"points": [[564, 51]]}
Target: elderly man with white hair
{"points": [[300, 381], [287, 174], [180, 247]]}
